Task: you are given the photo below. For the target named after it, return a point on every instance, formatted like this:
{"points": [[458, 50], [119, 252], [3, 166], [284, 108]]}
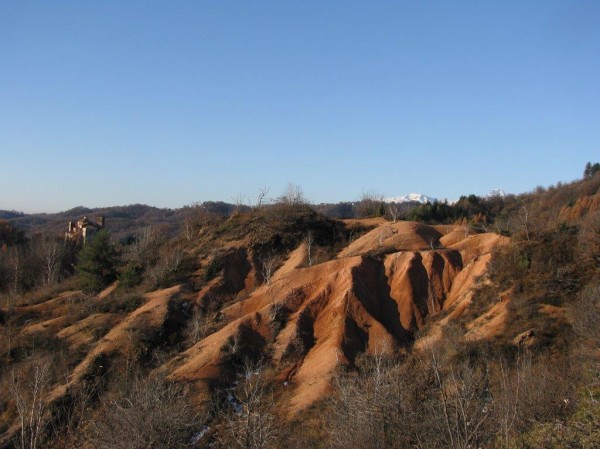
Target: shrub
{"points": [[151, 413], [130, 276]]}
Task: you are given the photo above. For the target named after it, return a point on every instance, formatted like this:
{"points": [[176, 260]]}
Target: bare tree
{"points": [[168, 263], [262, 196], [586, 313], [432, 243], [29, 395], [239, 201], [310, 239], [145, 250], [524, 214], [197, 327], [507, 401], [589, 240], [370, 204], [188, 229], [269, 263], [431, 296], [393, 211], [15, 262], [50, 255], [292, 196], [145, 413], [372, 410], [249, 420], [463, 405]]}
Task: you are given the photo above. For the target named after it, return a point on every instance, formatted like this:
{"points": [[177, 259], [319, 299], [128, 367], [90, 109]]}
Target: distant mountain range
{"points": [[411, 198], [424, 199]]}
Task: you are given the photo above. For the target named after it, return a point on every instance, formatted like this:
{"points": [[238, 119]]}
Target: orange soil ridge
{"points": [[374, 295], [307, 321]]}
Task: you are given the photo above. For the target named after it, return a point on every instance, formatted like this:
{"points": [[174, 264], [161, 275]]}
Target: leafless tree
{"points": [[463, 405], [249, 420], [15, 262], [188, 229], [168, 263], [145, 251], [49, 254], [292, 196], [197, 327], [432, 243], [239, 201], [507, 401], [262, 196], [310, 239], [393, 211], [75, 414], [369, 204], [29, 394], [279, 296], [586, 313], [145, 413], [524, 214], [431, 295], [269, 264], [372, 410], [589, 240]]}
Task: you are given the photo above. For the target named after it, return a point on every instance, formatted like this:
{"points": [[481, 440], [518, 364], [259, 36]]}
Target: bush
{"points": [[151, 413], [121, 304], [130, 276]]}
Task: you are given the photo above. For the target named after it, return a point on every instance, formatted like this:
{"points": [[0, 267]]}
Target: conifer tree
{"points": [[97, 263]]}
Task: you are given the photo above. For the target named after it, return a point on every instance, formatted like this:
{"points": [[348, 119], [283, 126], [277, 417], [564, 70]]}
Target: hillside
{"points": [[282, 314]]}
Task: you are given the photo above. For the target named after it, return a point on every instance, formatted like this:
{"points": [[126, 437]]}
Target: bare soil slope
{"points": [[303, 323], [372, 297]]}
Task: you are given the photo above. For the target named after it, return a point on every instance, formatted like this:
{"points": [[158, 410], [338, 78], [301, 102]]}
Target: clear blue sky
{"points": [[166, 103]]}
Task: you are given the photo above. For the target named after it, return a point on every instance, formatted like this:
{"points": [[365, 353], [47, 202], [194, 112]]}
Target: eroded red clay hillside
{"points": [[302, 322], [372, 297]]}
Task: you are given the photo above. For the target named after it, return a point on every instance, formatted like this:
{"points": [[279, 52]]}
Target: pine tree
{"points": [[591, 169], [97, 263]]}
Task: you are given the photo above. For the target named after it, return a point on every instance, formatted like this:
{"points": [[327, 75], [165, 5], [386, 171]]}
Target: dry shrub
{"points": [[446, 398], [80, 306], [588, 245], [144, 413], [460, 407], [586, 315], [170, 261], [249, 420], [29, 387], [381, 406]]}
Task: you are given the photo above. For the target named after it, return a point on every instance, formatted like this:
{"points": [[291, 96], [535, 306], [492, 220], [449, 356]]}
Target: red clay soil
{"points": [[310, 320]]}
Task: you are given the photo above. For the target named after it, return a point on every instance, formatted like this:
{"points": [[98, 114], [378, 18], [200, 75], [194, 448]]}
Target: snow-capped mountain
{"points": [[411, 197], [497, 192]]}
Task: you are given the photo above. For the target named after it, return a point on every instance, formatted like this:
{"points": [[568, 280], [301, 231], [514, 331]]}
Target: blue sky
{"points": [[166, 103]]}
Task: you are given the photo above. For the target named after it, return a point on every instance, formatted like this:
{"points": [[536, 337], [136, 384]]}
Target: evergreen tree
{"points": [[591, 169], [97, 263]]}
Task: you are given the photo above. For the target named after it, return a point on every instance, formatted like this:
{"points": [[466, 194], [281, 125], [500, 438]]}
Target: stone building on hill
{"points": [[83, 229]]}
